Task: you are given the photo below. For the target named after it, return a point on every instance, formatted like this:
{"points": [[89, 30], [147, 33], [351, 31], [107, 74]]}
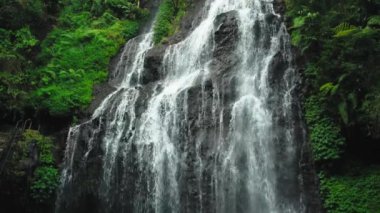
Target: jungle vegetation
{"points": [[339, 43]]}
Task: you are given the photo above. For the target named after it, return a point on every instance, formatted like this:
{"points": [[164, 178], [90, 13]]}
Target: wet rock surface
{"points": [[279, 6], [153, 65], [195, 108]]}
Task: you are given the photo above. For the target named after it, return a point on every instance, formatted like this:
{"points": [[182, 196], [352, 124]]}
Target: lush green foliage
{"points": [[370, 110], [355, 192], [78, 53], [58, 72], [21, 22], [78, 58], [45, 184], [15, 14], [169, 16], [341, 42], [14, 49], [45, 179], [326, 140], [44, 145], [52, 52]]}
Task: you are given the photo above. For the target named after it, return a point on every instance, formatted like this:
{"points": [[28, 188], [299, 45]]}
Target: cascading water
{"points": [[214, 132]]}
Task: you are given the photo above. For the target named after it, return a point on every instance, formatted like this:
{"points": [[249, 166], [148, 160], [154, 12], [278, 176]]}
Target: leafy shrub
{"points": [[163, 26], [370, 118], [14, 48], [77, 55], [125, 9], [341, 42], [300, 24], [74, 55], [343, 60], [24, 39], [12, 95], [326, 139], [17, 14], [44, 145], [168, 18], [355, 192], [45, 178], [45, 183]]}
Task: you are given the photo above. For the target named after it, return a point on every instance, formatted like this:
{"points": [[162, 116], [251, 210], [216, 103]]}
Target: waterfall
{"points": [[216, 129]]}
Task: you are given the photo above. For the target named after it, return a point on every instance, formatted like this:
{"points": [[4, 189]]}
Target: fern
{"points": [[374, 21], [344, 29], [329, 88], [299, 22]]}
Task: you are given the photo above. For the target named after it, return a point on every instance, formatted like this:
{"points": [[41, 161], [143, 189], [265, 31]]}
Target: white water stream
{"points": [[230, 167]]}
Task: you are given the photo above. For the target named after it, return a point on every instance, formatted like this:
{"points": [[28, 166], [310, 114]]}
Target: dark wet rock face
{"points": [[308, 176], [225, 57], [226, 35], [279, 6], [153, 65], [100, 92], [210, 123]]}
